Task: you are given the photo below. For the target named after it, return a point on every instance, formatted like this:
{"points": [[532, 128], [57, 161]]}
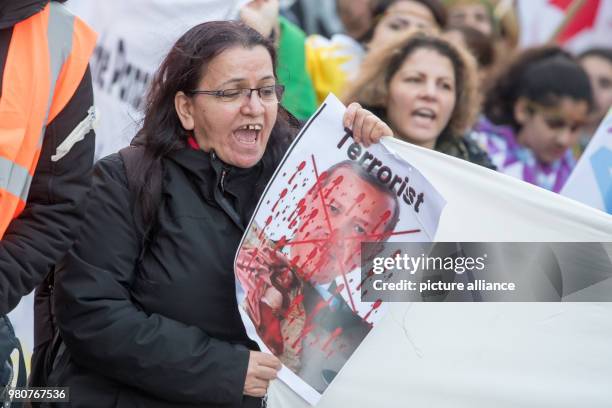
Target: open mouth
{"points": [[248, 134], [424, 114]]}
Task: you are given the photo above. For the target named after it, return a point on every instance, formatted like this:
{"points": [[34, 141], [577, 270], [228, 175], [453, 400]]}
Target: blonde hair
{"points": [[371, 87]]}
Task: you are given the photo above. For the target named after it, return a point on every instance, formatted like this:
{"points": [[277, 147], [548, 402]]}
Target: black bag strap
{"points": [[8, 344], [132, 157]]}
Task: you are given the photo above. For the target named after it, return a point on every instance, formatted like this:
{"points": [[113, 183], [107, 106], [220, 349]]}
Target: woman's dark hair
{"points": [[480, 45], [543, 75], [601, 52], [380, 7], [181, 70]]}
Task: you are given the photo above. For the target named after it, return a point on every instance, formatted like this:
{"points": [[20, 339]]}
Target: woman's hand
{"points": [[262, 15], [262, 369], [367, 128], [260, 262]]}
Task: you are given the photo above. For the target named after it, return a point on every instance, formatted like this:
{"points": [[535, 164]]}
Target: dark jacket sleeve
{"points": [[477, 155], [106, 332], [46, 228]]}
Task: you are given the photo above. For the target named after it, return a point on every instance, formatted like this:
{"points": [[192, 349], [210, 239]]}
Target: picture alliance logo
{"points": [[412, 264]]}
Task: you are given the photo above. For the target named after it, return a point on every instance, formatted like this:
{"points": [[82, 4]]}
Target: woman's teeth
{"points": [[247, 134]]}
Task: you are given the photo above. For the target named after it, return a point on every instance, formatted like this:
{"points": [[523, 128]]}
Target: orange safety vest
{"points": [[47, 58]]}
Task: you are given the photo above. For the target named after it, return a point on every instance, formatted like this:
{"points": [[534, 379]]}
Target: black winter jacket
{"points": [[166, 334]]}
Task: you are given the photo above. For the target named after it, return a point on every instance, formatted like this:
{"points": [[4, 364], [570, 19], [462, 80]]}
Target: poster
{"points": [[298, 265]]}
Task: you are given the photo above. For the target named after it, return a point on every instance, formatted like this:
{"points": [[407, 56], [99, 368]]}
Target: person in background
{"points": [[394, 17], [333, 62], [533, 115], [426, 88], [477, 14], [146, 299], [263, 15], [46, 148], [479, 45], [356, 17], [509, 28], [494, 18], [597, 62], [313, 16]]}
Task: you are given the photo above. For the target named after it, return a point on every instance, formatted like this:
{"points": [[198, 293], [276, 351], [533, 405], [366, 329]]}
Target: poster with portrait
{"points": [[298, 265]]}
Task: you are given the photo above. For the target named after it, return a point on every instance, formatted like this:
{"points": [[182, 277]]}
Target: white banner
{"points": [[483, 355], [591, 180]]}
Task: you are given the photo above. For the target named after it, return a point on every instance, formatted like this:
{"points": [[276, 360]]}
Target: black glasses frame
{"points": [[279, 90]]}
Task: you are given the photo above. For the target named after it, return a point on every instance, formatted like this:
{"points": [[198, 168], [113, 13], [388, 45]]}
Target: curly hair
{"points": [[541, 74], [371, 88]]}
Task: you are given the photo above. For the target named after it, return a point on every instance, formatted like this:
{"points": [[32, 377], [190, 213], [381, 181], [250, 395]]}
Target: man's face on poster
{"points": [[337, 215]]}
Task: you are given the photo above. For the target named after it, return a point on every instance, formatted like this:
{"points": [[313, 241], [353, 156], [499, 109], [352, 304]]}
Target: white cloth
{"points": [[483, 354]]}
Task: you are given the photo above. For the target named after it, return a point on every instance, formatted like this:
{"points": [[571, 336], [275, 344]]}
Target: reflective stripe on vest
{"points": [[47, 58]]}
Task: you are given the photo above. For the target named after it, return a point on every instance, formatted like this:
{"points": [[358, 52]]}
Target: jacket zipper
{"points": [[219, 195], [223, 173]]}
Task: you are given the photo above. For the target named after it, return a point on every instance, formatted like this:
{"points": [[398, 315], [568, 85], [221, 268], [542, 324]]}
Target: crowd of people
{"points": [[153, 229]]}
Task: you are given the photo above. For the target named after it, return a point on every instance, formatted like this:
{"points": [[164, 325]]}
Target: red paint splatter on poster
{"points": [[299, 168], [375, 306]]}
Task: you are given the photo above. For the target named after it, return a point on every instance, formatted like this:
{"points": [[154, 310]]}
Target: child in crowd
{"points": [[533, 114]]}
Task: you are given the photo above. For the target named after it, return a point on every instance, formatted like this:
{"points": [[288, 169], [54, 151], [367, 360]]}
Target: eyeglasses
{"points": [[267, 94]]}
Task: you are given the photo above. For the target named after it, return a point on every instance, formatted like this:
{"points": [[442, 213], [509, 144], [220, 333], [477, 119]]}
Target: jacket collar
{"points": [[212, 173], [14, 11], [217, 181]]}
